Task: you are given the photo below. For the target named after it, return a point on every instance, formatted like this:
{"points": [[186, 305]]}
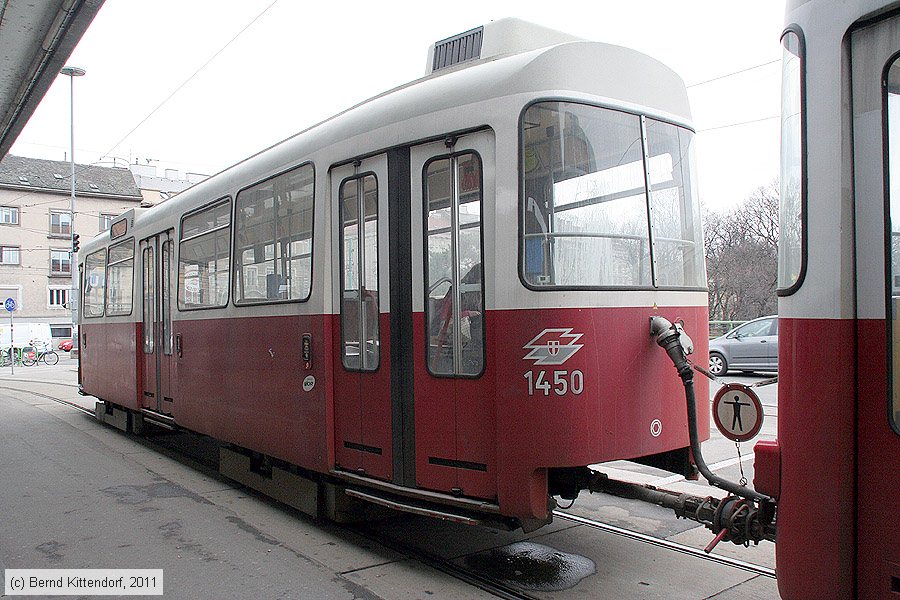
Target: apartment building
{"points": [[36, 230]]}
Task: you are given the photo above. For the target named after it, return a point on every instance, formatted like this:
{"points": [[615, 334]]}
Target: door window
{"points": [[892, 243], [454, 304], [359, 273], [166, 267], [149, 299]]}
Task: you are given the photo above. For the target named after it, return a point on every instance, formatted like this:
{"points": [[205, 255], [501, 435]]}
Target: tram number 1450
{"points": [[560, 382]]}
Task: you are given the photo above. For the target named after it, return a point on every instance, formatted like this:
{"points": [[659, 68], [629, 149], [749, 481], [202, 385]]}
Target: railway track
{"points": [[4, 386], [662, 543]]}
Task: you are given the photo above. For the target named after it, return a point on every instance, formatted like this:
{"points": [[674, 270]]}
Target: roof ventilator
{"points": [[457, 49]]}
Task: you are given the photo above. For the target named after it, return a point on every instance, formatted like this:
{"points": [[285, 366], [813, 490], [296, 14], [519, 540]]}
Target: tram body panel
{"points": [[571, 390], [252, 394], [109, 361]]}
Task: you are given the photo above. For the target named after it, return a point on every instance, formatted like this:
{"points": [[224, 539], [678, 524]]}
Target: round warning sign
{"points": [[737, 411]]}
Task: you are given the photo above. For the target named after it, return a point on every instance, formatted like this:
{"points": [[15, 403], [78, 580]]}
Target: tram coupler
{"points": [[734, 519], [673, 339]]}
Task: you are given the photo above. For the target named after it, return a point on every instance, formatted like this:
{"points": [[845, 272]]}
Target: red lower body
{"points": [[492, 437], [839, 474]]}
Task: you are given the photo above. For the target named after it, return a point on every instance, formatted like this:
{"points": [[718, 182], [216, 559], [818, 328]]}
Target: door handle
{"points": [[178, 344], [84, 340]]}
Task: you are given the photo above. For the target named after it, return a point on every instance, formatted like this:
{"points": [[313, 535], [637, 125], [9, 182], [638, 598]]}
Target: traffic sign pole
{"points": [[10, 306]]}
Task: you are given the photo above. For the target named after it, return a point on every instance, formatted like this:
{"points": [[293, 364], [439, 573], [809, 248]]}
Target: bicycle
{"points": [[17, 356], [35, 356]]}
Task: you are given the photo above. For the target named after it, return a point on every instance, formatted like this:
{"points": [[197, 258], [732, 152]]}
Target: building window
{"points": [[57, 297], [105, 221], [60, 224], [60, 262], [9, 215], [10, 255], [61, 331]]}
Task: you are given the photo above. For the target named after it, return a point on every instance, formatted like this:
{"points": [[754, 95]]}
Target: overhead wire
{"points": [[733, 73], [165, 100], [194, 74]]}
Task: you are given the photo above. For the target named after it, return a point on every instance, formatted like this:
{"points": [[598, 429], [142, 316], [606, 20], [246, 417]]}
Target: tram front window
{"points": [[586, 204]]}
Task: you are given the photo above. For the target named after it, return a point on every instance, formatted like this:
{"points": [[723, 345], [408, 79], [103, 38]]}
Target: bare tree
{"points": [[742, 257]]}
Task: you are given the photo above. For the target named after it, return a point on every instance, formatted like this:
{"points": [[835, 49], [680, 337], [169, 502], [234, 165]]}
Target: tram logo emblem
{"points": [[553, 346]]}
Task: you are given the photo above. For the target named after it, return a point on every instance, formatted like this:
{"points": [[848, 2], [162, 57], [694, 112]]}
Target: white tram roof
{"points": [[533, 62]]}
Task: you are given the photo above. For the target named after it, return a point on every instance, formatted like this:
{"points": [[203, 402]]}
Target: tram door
{"points": [[361, 329], [876, 166], [157, 254], [452, 184]]}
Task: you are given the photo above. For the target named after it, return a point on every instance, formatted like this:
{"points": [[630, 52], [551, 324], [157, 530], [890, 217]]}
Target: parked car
{"points": [[752, 346], [65, 345]]}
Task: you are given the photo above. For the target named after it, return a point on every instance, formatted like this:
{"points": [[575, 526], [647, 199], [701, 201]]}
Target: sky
{"points": [[198, 86]]}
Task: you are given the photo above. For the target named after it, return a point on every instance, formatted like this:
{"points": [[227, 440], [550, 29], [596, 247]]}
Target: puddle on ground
{"points": [[140, 494], [532, 566]]}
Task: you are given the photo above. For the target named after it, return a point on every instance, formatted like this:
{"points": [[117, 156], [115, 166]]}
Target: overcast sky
{"points": [[297, 63]]}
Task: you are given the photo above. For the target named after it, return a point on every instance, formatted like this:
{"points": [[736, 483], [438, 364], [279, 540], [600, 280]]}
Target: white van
{"points": [[26, 334]]}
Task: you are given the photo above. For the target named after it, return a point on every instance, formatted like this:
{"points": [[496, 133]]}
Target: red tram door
{"points": [[157, 253], [876, 148], [452, 191], [361, 330]]}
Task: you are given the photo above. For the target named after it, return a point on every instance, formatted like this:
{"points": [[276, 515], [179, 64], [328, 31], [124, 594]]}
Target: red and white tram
{"points": [[438, 299], [835, 468]]}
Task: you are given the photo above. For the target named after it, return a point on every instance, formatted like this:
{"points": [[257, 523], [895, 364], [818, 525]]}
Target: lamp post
{"points": [[73, 299]]}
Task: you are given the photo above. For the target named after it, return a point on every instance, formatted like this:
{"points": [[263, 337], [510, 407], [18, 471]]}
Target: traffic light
{"points": [[75, 237]]}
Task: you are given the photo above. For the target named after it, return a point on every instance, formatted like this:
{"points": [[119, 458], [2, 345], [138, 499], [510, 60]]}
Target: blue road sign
{"points": [[10, 304]]}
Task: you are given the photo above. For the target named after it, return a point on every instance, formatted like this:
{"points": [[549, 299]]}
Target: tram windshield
{"points": [[609, 200]]}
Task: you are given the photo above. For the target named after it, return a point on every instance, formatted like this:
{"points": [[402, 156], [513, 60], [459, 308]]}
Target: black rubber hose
{"points": [[687, 377]]}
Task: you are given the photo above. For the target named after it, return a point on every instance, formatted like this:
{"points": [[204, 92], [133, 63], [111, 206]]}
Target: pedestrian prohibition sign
{"points": [[737, 411]]}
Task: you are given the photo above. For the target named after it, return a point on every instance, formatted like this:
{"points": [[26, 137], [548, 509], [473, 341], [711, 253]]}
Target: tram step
{"points": [[416, 508]]}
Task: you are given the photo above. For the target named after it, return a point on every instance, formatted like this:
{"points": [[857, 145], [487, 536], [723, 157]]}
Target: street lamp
{"points": [[73, 72]]}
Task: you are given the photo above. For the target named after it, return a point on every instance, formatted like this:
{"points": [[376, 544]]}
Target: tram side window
{"points": [[273, 241], [454, 309], [120, 275], [791, 205], [203, 265], [892, 251], [94, 284]]}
